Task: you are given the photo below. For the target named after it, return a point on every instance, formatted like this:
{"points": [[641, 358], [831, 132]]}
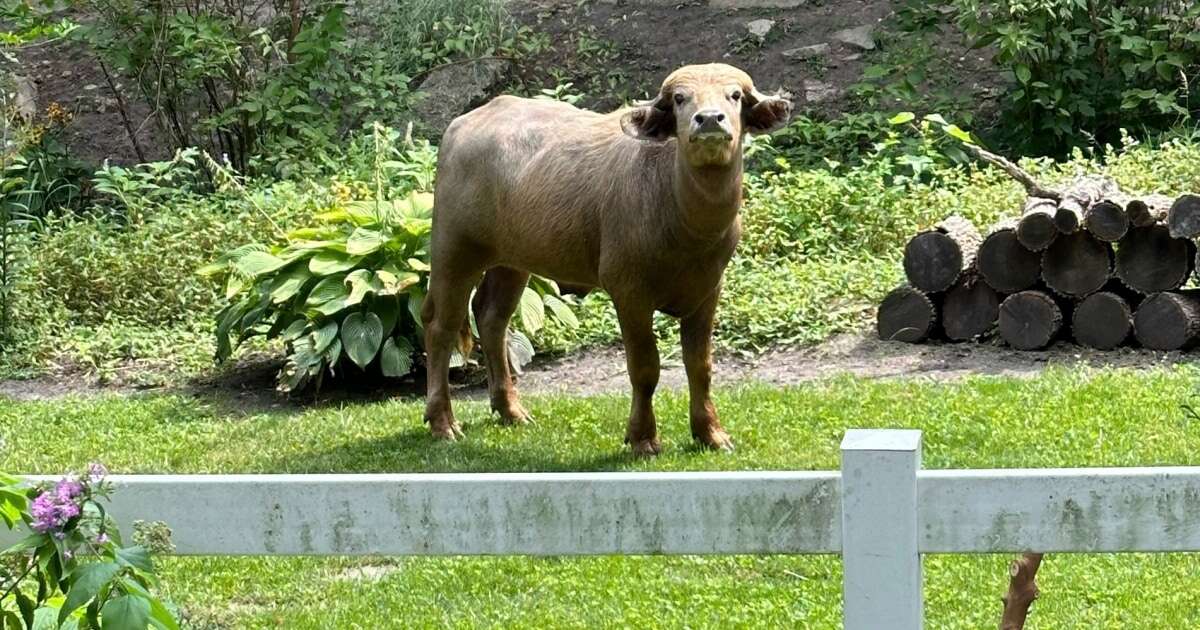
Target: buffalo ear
{"points": [[650, 121], [766, 113]]}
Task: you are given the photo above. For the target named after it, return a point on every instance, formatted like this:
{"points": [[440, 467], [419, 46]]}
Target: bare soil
{"points": [[249, 385], [650, 38]]}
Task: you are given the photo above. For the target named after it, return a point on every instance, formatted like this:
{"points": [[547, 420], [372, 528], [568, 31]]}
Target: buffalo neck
{"points": [[708, 197]]}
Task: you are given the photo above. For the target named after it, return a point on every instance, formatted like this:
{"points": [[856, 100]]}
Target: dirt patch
{"points": [[861, 355], [624, 50], [617, 50], [67, 73], [249, 386]]}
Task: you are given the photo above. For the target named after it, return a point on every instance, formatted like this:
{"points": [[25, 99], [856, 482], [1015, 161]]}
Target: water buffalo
{"points": [[642, 202]]}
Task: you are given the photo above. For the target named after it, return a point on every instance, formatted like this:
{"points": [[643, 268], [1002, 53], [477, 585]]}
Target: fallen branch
{"points": [[1022, 590], [1031, 185]]}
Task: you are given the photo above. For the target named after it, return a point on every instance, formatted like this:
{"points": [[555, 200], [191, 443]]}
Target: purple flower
{"points": [[44, 510], [102, 539], [51, 511], [97, 471], [68, 489]]}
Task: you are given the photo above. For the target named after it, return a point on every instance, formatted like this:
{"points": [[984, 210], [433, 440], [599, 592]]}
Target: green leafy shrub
{"points": [[352, 288], [73, 570], [1082, 71]]}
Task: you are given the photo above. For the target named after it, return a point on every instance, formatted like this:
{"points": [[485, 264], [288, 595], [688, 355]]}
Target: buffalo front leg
{"points": [[494, 303], [641, 359], [696, 332], [444, 312]]}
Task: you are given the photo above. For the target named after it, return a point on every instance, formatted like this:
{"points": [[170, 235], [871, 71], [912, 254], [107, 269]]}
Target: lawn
{"points": [[1077, 417]]}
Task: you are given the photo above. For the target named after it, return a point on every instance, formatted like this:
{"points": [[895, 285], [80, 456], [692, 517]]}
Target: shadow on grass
{"points": [[414, 450], [250, 387]]}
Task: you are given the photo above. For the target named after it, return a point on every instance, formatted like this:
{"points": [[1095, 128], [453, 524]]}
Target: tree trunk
{"points": [[1168, 321], [934, 259], [1149, 260], [1103, 321], [907, 315], [1029, 320], [1077, 265], [1078, 198], [1022, 590], [1184, 217], [1148, 210], [1036, 229], [970, 309], [1106, 219], [1005, 264]]}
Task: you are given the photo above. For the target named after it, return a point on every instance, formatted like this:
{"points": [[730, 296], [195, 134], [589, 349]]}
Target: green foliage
{"points": [[335, 290], [72, 570], [1083, 70], [270, 96], [136, 192], [23, 22]]}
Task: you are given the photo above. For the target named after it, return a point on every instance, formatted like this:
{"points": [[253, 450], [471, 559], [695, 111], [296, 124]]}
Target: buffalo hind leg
{"points": [[641, 358], [696, 335], [443, 314], [494, 303]]}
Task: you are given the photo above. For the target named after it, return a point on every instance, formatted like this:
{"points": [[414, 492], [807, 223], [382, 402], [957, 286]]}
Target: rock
{"points": [[861, 37], [106, 104], [818, 92], [26, 97], [807, 52], [760, 28], [854, 57], [455, 89]]}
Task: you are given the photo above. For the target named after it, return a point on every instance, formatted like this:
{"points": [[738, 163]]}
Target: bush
{"points": [[351, 286], [1084, 70]]}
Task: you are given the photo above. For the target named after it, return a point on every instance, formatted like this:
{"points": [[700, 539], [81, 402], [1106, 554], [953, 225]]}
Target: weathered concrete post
{"points": [[882, 566]]}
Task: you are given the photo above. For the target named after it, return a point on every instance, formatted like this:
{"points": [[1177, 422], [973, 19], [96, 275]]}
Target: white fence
{"points": [[880, 512]]}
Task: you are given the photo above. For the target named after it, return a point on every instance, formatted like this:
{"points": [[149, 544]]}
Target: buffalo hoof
{"points": [[645, 448], [446, 429], [716, 439], [513, 414]]}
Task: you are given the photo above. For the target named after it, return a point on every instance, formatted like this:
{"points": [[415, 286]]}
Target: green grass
{"points": [[1063, 418]]}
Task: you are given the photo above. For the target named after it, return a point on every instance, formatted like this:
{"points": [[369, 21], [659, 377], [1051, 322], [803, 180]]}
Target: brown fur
{"points": [[642, 203]]}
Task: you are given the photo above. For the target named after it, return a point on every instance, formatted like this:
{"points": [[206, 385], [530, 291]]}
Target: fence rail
{"points": [[880, 513]]}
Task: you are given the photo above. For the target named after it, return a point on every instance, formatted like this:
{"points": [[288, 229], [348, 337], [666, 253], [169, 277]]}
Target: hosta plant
{"points": [[350, 288]]}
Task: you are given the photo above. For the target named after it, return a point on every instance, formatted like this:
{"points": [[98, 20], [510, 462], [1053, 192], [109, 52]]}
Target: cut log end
{"points": [[1184, 217], [1148, 260], [1107, 221], [1102, 321], [1005, 264], [1168, 321], [1036, 229], [1069, 217], [906, 315], [970, 309], [1148, 210], [934, 260], [1077, 264], [1029, 320]]}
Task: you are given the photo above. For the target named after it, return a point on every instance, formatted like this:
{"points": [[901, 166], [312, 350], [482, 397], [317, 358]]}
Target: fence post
{"points": [[881, 584]]}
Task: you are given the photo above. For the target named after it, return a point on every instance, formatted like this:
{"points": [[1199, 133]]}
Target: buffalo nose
{"points": [[709, 116]]}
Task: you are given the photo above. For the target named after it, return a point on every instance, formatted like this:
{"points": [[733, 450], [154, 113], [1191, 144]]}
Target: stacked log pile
{"points": [[1086, 262]]}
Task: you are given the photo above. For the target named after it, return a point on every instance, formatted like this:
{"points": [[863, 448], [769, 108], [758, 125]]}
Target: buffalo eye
{"points": [[736, 96], [679, 99]]}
